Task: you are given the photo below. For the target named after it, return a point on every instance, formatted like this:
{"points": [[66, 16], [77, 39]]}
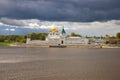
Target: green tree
{"points": [[38, 36], [2, 38], [112, 37], [74, 34], [33, 36], [118, 35], [42, 37]]}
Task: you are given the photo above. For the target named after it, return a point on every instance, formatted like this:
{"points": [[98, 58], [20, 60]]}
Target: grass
{"points": [[6, 43]]}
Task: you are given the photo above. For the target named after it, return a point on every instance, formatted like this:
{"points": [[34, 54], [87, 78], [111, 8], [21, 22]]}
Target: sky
{"points": [[86, 17]]}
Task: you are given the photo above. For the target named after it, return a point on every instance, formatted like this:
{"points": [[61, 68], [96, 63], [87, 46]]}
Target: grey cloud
{"points": [[85, 28], [61, 10], [15, 22]]}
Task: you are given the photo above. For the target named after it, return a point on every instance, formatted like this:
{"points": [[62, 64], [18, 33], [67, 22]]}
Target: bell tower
{"points": [[63, 36], [63, 31]]}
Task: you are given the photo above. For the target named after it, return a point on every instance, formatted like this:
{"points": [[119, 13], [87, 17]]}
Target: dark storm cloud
{"points": [[61, 10]]}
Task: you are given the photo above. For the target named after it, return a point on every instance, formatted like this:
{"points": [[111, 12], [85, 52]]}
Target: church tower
{"points": [[63, 36], [54, 32], [63, 32]]}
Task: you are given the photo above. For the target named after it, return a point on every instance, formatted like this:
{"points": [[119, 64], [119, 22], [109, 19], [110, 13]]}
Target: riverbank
{"points": [[66, 46], [7, 43], [12, 44]]}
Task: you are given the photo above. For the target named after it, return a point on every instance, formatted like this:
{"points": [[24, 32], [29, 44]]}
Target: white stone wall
{"points": [[76, 41], [37, 42], [56, 41]]}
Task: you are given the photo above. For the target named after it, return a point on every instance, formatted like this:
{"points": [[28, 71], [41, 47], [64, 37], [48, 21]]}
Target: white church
{"points": [[59, 38]]}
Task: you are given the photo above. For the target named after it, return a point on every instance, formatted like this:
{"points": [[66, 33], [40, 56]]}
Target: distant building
{"points": [[56, 38]]}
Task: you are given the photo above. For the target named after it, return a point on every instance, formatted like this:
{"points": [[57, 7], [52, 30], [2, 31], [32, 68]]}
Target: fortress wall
{"points": [[76, 41], [37, 42]]}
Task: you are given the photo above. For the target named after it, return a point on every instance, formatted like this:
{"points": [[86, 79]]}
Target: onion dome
{"points": [[54, 29]]}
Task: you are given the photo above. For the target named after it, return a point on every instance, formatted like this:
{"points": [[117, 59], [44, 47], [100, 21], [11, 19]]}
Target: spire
{"points": [[63, 31]]}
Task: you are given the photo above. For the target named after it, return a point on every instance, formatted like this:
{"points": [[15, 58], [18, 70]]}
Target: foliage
{"points": [[112, 37], [22, 38], [107, 42], [38, 36], [74, 34], [118, 35]]}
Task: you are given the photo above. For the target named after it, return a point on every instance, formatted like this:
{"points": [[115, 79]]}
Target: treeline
{"points": [[22, 38], [13, 38], [42, 36], [75, 35], [37, 36]]}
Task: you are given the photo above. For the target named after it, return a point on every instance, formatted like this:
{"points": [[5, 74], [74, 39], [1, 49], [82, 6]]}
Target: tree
{"points": [[118, 35], [33, 36], [74, 34], [42, 37], [2, 38], [112, 37], [38, 36]]}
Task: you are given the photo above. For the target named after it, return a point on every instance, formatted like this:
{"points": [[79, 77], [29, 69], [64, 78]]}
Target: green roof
{"points": [[63, 31]]}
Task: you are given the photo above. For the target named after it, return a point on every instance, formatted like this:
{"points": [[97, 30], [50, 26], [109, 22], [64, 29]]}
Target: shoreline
{"points": [[63, 46]]}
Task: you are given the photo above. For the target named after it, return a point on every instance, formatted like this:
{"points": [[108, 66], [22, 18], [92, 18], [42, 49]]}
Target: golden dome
{"points": [[54, 29]]}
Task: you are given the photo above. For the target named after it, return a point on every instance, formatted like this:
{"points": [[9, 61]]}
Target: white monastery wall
{"points": [[54, 38]]}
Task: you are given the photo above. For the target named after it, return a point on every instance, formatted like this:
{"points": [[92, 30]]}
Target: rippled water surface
{"points": [[59, 64]]}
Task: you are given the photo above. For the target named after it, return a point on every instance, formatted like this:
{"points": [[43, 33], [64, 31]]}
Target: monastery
{"points": [[55, 37]]}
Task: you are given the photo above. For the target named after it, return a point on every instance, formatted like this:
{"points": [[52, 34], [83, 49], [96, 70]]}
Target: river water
{"points": [[59, 64]]}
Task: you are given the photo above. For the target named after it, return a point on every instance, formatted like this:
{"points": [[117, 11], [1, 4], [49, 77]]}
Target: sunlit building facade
{"points": [[59, 38]]}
